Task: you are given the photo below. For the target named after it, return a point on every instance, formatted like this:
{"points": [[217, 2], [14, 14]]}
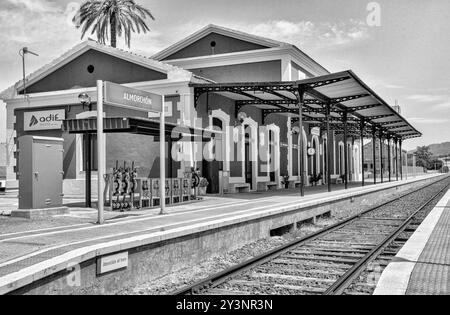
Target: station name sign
{"points": [[121, 96], [112, 263], [44, 120]]}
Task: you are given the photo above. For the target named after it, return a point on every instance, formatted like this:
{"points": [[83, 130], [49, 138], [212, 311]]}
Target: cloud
{"points": [[37, 6], [436, 101], [34, 21], [444, 105], [426, 98], [309, 34], [394, 86], [421, 120]]}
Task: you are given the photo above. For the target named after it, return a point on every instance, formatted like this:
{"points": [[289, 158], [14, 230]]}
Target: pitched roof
{"points": [[80, 49], [212, 28]]}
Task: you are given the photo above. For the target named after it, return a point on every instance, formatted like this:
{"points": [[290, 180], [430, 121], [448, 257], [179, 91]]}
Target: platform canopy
{"points": [[346, 94], [142, 126]]}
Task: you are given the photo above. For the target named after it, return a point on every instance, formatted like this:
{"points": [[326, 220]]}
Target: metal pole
{"points": [[301, 96], [381, 156], [362, 153], [101, 152], [346, 149], [389, 158], [352, 160], [396, 158], [162, 155], [401, 160], [88, 165], [24, 75], [374, 148], [329, 145]]}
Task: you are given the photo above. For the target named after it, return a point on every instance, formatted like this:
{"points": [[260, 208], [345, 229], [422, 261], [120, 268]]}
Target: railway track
{"points": [[345, 258]]}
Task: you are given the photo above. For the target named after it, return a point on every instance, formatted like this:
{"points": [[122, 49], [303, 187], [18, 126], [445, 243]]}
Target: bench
{"points": [[266, 186], [238, 188], [294, 184], [335, 179]]}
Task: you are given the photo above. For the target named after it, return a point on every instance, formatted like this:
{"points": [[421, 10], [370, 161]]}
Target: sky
{"points": [[401, 48]]}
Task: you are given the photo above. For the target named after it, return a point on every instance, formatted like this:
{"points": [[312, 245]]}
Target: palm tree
{"points": [[115, 17]]}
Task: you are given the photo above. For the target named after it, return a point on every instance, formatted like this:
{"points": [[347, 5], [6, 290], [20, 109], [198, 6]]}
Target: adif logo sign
{"points": [[34, 121], [45, 120]]}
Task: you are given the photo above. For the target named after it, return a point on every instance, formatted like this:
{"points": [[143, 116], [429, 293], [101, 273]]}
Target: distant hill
{"points": [[441, 149]]}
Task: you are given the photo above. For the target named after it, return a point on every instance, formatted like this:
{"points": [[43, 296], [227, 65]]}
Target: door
{"points": [[212, 168], [272, 158], [47, 174]]}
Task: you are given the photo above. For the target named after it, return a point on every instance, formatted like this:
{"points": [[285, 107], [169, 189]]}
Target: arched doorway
{"points": [[213, 164], [250, 153]]}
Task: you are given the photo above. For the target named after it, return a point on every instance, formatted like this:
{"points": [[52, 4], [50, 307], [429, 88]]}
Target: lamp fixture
{"points": [[295, 130], [85, 100], [242, 117]]}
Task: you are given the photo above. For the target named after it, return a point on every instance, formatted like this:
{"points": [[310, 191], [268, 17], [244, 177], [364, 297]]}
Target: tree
{"points": [[424, 157], [113, 17], [436, 164]]}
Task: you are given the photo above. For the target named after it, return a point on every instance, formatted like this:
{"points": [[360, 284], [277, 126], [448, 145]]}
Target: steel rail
{"points": [[224, 276], [347, 279]]}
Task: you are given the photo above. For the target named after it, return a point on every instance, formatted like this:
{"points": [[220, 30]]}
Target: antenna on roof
{"points": [[22, 53]]}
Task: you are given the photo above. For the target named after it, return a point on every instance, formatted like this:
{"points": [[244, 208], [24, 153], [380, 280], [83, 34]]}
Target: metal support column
{"points": [[301, 99], [396, 158], [162, 158], [362, 152], [381, 156], [345, 117], [329, 146], [101, 153], [374, 149], [389, 158], [401, 159], [88, 168], [170, 159]]}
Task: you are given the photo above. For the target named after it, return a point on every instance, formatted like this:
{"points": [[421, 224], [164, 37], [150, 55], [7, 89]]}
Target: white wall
{"points": [[2, 140], [2, 122]]}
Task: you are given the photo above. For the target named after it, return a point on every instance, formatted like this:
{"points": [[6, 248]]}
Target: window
{"points": [[94, 159], [91, 69]]}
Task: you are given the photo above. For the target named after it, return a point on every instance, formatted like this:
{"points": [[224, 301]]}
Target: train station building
{"points": [[283, 119]]}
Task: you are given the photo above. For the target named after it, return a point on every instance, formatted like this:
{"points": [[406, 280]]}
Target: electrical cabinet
{"points": [[40, 172]]}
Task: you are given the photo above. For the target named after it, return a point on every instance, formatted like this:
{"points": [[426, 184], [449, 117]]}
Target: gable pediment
{"points": [[215, 40], [214, 44], [88, 67]]}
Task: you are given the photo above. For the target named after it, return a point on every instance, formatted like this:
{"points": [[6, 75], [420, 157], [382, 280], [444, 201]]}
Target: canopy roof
{"points": [[344, 91], [142, 126]]}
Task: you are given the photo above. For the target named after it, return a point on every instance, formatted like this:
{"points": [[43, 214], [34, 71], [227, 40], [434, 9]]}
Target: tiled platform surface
{"points": [[28, 256], [422, 267]]}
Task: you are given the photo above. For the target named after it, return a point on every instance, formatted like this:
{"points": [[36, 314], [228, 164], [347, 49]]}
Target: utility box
{"points": [[40, 172]]}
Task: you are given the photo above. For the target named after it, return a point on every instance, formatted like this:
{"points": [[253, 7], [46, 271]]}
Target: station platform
{"points": [[188, 233], [422, 267]]}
